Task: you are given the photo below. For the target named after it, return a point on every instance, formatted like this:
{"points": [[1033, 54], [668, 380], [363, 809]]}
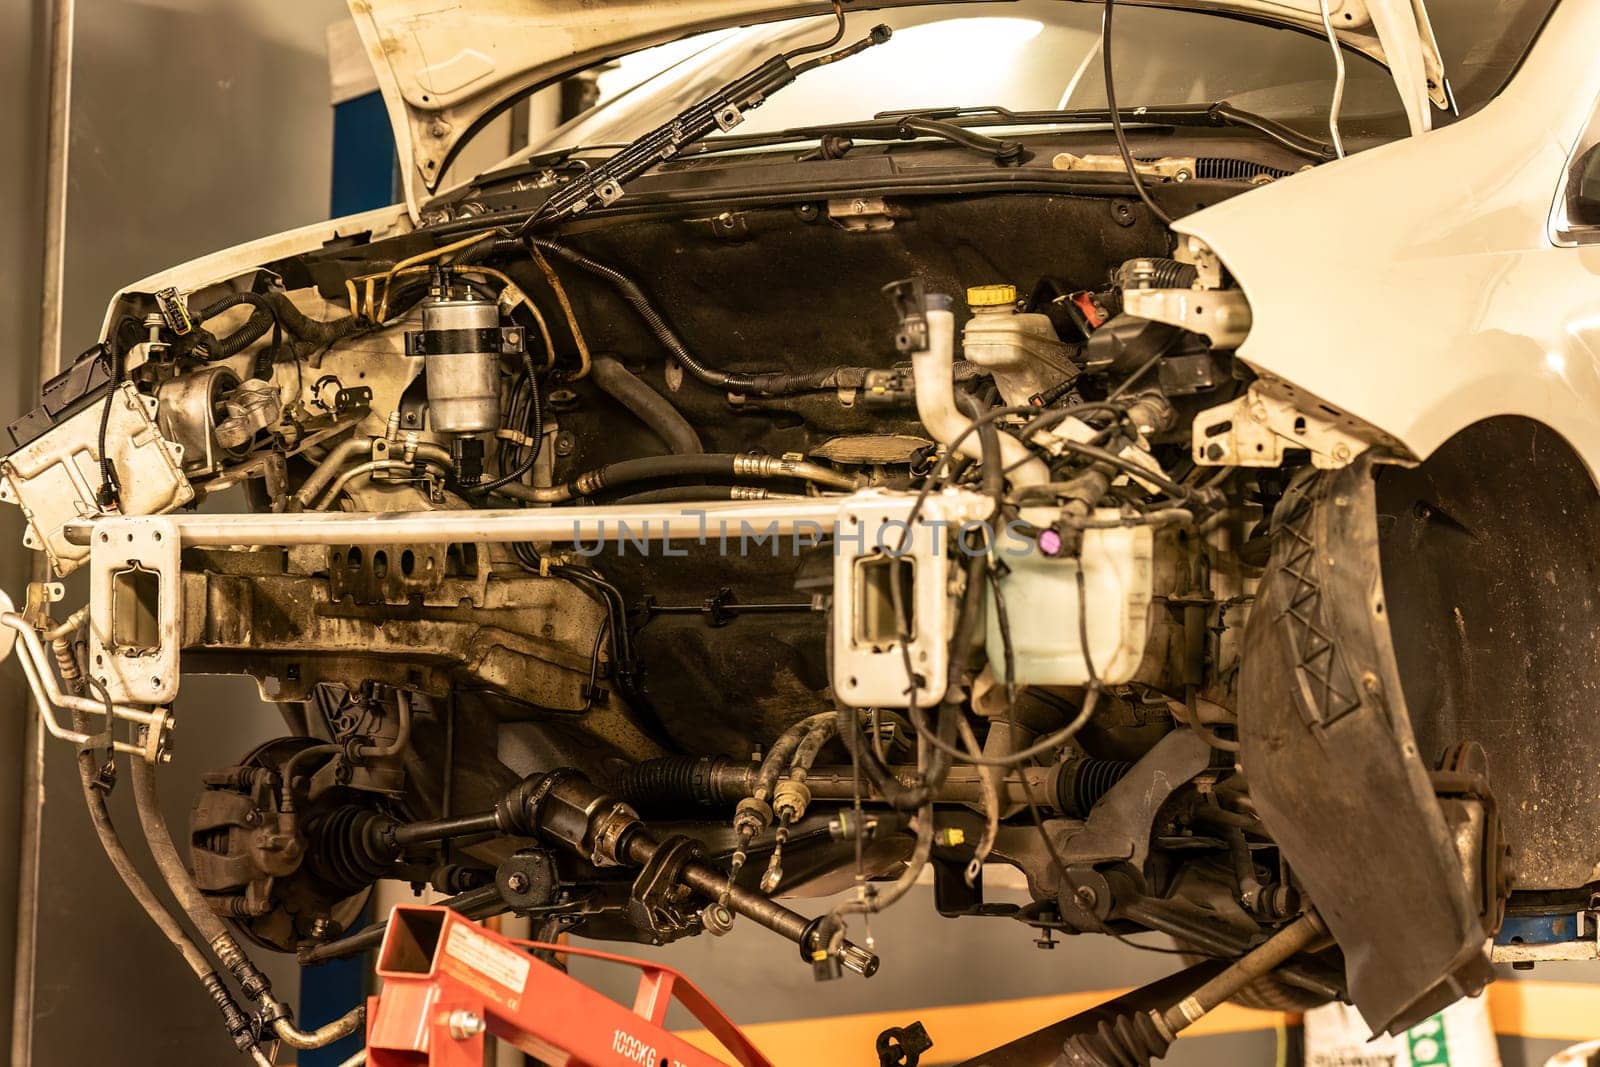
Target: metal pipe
{"points": [[52, 272], [416, 833], [1259, 961], [337, 458], [402, 733], [48, 696], [327, 1034], [371, 466], [813, 517]]}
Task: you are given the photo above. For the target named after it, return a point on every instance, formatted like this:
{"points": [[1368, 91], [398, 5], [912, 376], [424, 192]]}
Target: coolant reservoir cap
{"points": [[991, 296]]}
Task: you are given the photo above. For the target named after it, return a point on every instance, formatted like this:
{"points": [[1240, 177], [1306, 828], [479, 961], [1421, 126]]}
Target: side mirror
{"points": [[1583, 189]]}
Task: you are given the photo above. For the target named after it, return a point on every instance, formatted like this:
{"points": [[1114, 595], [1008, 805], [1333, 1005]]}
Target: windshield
{"points": [[1037, 55]]}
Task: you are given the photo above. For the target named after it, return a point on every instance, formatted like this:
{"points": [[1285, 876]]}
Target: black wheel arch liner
{"points": [[1334, 770]]}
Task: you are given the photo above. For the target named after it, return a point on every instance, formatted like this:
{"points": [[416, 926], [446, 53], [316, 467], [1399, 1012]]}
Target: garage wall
{"points": [[196, 124], [21, 205]]}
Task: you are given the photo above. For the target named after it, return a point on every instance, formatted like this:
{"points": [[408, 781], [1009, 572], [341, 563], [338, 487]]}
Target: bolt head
{"points": [[517, 882], [465, 1025], [1085, 897]]}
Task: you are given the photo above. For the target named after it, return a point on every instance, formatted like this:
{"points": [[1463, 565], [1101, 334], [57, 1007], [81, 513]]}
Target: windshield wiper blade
{"points": [[724, 109]]}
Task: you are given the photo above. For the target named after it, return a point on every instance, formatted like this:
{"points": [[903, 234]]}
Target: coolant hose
{"points": [[649, 406], [934, 370]]}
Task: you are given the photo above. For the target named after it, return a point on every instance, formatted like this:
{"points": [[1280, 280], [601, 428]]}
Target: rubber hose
{"points": [[895, 793], [649, 406], [820, 734], [170, 863], [712, 465], [782, 750], [629, 290], [100, 817]]}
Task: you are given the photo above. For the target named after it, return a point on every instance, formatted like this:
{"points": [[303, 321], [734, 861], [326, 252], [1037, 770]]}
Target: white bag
{"points": [[1461, 1035]]}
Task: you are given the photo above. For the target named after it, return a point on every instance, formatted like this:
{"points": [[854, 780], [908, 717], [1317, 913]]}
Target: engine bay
{"points": [[641, 568]]}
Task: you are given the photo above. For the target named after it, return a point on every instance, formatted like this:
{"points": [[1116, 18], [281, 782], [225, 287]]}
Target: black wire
{"points": [[109, 491], [1116, 120], [534, 428], [1136, 375]]}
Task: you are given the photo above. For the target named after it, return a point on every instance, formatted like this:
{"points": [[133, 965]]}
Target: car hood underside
{"points": [[447, 66]]}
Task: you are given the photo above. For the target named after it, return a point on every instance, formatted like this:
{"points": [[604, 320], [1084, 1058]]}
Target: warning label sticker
{"points": [[504, 966]]}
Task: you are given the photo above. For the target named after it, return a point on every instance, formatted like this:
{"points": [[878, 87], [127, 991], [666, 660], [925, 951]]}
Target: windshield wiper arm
{"points": [[1219, 113], [839, 138], [722, 110]]}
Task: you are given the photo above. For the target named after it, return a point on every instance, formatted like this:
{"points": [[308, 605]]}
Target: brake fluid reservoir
{"points": [[1020, 349], [460, 343], [1042, 612]]}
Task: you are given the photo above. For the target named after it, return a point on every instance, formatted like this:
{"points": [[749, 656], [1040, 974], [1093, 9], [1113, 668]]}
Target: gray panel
{"points": [[195, 126], [21, 245]]}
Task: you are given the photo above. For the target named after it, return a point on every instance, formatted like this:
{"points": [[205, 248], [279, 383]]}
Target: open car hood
{"points": [[447, 66]]}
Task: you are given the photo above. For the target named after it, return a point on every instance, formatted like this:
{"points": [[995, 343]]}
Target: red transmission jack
{"points": [[447, 983]]}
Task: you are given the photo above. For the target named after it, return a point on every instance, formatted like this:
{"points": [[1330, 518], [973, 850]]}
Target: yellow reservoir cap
{"points": [[991, 296]]}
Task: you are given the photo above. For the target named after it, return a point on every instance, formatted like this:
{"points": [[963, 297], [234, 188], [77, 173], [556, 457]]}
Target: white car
{"points": [[1173, 478]]}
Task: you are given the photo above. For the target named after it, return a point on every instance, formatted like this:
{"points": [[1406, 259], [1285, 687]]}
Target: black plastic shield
{"points": [[1334, 770]]}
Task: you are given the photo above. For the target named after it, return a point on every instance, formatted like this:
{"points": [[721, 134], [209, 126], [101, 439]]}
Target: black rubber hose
{"points": [[170, 863], [712, 465], [94, 798], [649, 406], [629, 290], [896, 793], [722, 465]]}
